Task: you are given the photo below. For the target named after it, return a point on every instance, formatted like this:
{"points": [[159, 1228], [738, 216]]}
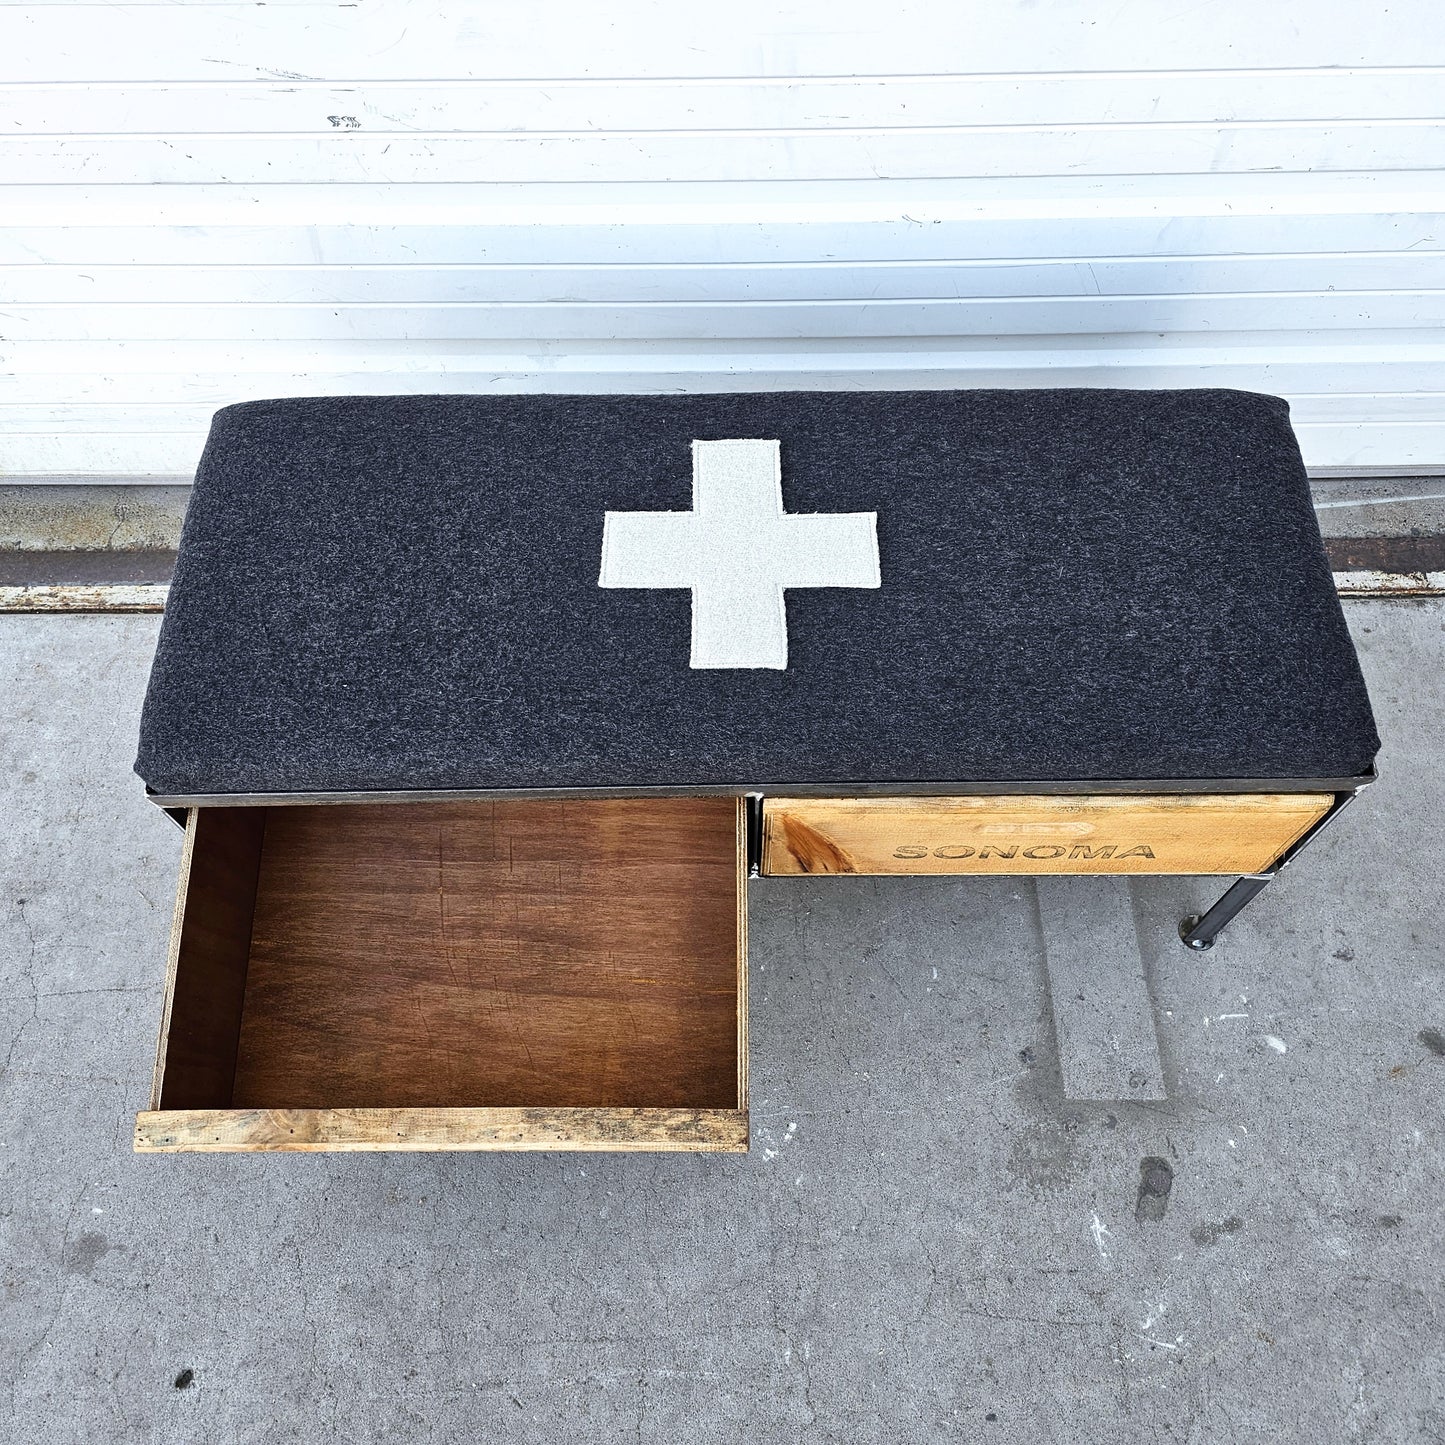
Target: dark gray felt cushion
{"points": [[401, 592]]}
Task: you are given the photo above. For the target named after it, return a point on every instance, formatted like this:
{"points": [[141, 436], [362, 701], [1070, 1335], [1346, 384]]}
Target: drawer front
{"points": [[328, 1131], [1092, 833]]}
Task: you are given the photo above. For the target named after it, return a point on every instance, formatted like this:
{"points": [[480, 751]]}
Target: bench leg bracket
{"points": [[1199, 931]]}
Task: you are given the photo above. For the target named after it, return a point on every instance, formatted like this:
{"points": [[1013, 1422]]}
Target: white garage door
{"points": [[214, 201]]}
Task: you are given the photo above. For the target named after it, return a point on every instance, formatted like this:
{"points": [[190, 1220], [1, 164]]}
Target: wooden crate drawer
{"points": [[468, 975], [1095, 833]]}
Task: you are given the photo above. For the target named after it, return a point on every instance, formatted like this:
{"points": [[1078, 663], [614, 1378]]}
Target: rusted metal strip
{"points": [[1387, 566], [138, 581], [21, 567], [86, 597], [86, 580], [1412, 556], [151, 597], [1390, 584]]}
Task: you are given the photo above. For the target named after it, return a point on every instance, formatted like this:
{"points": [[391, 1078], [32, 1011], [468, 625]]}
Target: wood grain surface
{"points": [[1091, 833], [319, 1130], [210, 944], [514, 954]]}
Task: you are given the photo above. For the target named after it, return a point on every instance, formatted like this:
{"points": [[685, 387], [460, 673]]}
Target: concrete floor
{"points": [[925, 1243]]}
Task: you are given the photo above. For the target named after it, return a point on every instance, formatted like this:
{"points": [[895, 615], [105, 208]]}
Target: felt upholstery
{"points": [[403, 593]]}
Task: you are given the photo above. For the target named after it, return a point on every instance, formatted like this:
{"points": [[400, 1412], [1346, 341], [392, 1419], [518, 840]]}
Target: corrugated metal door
{"points": [[210, 202]]}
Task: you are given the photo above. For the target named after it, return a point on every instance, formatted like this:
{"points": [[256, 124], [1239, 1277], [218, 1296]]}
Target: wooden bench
{"points": [[479, 713]]}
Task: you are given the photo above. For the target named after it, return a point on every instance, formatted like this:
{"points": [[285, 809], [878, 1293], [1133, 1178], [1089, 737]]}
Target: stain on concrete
{"points": [[185, 1380], [1206, 1234], [83, 1253], [1433, 1040], [1156, 1179], [1431, 1423], [1047, 1156]]}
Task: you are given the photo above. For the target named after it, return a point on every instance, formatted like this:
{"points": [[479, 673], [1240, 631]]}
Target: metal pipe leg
{"points": [[1199, 933], [753, 816]]}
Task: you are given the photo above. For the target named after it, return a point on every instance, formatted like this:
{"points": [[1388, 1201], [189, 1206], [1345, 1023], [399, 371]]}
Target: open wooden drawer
{"points": [[461, 975]]}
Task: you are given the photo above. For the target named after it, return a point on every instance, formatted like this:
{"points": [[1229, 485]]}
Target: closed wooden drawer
{"points": [[1096, 833], [467, 975]]}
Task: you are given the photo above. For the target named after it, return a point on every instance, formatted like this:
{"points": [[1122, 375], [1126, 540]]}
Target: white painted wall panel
{"points": [[660, 39], [738, 155], [213, 201], [797, 102]]}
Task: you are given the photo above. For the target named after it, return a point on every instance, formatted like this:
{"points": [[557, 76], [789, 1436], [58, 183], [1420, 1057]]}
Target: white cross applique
{"points": [[737, 551]]}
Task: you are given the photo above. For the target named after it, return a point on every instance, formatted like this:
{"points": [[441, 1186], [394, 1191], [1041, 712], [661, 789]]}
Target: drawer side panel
{"points": [[210, 951]]}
